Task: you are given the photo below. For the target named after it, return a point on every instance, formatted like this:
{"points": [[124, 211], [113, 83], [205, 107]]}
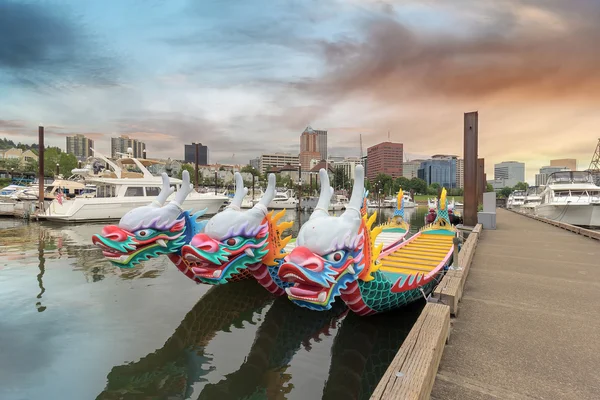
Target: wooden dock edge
{"points": [[563, 225], [450, 289], [413, 370]]}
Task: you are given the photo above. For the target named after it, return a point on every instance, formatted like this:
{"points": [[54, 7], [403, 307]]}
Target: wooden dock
{"points": [[412, 373], [528, 324]]}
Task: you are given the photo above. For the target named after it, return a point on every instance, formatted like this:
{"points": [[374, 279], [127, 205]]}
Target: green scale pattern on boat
{"points": [[378, 296]]}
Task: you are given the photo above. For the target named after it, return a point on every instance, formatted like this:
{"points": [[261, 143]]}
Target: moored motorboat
{"points": [[571, 197], [114, 197]]}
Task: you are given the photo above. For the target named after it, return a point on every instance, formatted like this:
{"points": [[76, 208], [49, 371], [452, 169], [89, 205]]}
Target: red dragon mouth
{"points": [[204, 268], [303, 287]]}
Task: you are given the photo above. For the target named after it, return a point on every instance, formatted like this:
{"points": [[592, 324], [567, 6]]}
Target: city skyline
{"points": [[203, 70]]}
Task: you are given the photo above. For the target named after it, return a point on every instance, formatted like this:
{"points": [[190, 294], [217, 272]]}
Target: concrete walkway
{"points": [[529, 322]]}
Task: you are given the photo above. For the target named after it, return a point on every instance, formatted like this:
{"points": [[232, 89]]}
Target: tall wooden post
{"points": [[481, 183], [197, 155], [253, 177], [41, 168], [471, 131], [215, 182], [299, 186]]}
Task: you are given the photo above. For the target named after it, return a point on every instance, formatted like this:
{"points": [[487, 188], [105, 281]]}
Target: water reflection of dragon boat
{"points": [[363, 350], [182, 362], [337, 256]]}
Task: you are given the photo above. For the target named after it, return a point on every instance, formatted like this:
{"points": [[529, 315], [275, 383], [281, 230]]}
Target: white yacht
{"points": [[338, 203], [10, 190], [116, 196], [283, 200], [532, 199], [408, 201], [249, 201], [571, 197], [516, 199]]}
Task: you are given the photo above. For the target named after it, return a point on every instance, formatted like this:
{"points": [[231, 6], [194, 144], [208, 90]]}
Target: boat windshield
{"points": [[570, 177]]}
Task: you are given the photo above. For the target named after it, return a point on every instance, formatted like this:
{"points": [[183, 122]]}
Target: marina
{"points": [[60, 288]]}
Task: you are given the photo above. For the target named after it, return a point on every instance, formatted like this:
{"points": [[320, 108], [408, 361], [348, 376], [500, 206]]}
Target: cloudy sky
{"points": [[246, 76]]}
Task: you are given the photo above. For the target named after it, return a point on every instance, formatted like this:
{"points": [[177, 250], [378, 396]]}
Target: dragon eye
{"points": [[144, 233], [336, 256], [231, 242]]}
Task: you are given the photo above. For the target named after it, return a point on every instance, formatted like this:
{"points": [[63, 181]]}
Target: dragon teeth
{"points": [[161, 242], [217, 274], [322, 296], [249, 252], [351, 269], [288, 291]]}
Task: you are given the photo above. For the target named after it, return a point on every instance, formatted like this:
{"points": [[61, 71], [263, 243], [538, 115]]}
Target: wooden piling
{"points": [[41, 168], [470, 156]]}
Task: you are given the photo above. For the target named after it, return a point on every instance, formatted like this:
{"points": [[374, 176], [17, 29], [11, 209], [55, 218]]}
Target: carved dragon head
{"points": [[234, 239], [331, 251], [149, 231]]}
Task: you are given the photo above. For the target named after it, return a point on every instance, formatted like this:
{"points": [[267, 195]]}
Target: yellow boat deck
{"points": [[420, 255]]}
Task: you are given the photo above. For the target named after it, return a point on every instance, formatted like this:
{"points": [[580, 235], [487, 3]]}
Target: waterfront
{"points": [[76, 327]]}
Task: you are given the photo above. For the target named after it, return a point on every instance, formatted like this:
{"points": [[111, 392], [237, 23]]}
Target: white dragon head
{"points": [[234, 239], [331, 251], [149, 231]]}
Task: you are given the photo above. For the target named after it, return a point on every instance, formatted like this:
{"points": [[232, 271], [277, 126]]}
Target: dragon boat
{"points": [[234, 244], [396, 228], [237, 240], [337, 256], [156, 229]]}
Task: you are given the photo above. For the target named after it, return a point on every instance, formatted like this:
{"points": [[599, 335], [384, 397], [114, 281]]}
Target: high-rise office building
{"points": [[569, 163], [190, 154], [460, 173], [385, 158], [122, 143], [510, 172], [441, 169], [277, 160], [410, 169], [80, 146], [313, 146]]}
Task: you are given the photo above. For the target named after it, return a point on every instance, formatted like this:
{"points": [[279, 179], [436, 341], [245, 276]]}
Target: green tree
{"points": [[489, 188], [403, 183], [433, 189], [383, 183], [521, 186], [191, 170], [67, 162], [418, 185], [340, 178], [251, 170], [505, 192], [11, 164]]}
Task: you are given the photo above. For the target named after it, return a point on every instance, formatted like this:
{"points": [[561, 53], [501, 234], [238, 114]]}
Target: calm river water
{"points": [[72, 326]]}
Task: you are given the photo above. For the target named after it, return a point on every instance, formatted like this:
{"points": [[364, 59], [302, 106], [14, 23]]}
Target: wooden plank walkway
{"points": [[528, 324]]}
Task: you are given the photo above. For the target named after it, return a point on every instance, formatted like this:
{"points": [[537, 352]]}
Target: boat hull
{"points": [[106, 209], [574, 214]]}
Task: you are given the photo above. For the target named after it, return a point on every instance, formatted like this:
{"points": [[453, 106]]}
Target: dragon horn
{"points": [[321, 210], [165, 192], [240, 192], [357, 193], [268, 196], [184, 190]]}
